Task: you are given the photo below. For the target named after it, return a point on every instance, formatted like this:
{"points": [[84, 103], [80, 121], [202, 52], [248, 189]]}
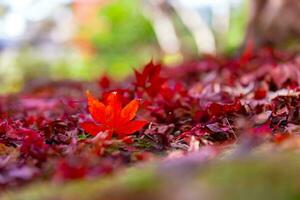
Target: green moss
{"points": [[267, 177], [132, 182]]}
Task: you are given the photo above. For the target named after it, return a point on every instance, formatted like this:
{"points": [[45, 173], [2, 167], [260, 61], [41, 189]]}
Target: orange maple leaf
{"points": [[110, 117]]}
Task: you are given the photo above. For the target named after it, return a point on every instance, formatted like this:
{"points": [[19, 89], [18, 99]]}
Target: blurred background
{"points": [[84, 39]]}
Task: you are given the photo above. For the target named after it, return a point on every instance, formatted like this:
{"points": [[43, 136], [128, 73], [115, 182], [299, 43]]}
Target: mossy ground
{"points": [[251, 177]]}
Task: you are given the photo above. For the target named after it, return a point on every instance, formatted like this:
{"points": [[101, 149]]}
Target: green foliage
{"points": [[123, 39], [126, 38], [125, 27], [237, 29]]}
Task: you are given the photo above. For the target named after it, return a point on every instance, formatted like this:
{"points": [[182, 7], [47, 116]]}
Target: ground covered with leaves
{"points": [[170, 123]]}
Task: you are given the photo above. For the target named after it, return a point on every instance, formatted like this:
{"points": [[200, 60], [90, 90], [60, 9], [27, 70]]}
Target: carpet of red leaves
{"points": [[55, 132]]}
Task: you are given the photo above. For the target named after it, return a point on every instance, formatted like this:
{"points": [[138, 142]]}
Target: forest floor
{"points": [[215, 128]]}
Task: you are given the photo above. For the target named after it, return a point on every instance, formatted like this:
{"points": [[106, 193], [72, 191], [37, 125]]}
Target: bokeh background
{"points": [[84, 39]]}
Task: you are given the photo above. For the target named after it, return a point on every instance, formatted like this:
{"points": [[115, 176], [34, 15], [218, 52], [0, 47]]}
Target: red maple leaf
{"points": [[110, 117], [149, 80]]}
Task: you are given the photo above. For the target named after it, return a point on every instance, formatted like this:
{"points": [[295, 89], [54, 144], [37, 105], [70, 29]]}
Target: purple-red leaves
{"points": [[33, 145], [110, 117], [212, 101], [217, 109], [66, 170]]}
